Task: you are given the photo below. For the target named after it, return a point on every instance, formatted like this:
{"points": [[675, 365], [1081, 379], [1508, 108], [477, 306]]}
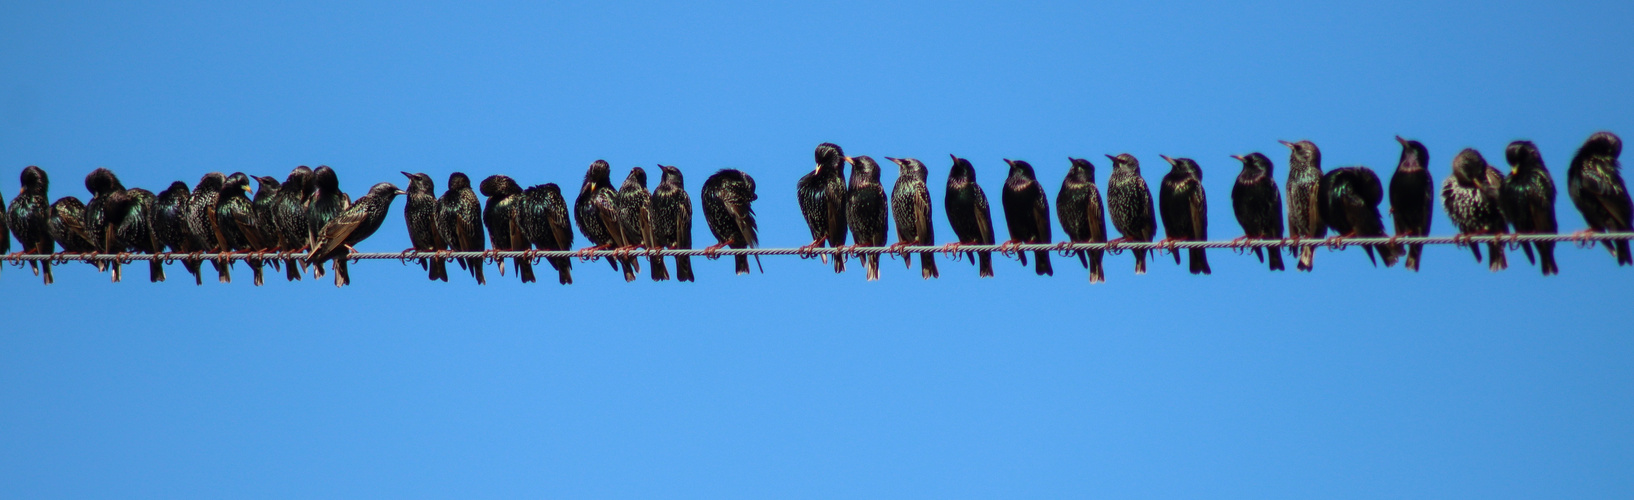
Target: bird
{"points": [[1257, 203], [1595, 182], [459, 221], [27, 219], [911, 206], [866, 211], [420, 213], [1412, 197], [326, 203], [1470, 196], [1184, 207], [1304, 195], [66, 226], [201, 220], [542, 216], [1027, 213], [1528, 200], [289, 218], [1083, 216], [266, 230], [968, 213], [170, 225], [595, 210], [235, 221], [337, 237], [822, 201], [727, 195], [672, 220], [1130, 202], [498, 216], [101, 183], [1349, 203], [131, 218], [634, 205]]}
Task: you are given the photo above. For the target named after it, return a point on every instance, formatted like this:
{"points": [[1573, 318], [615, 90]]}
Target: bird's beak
{"points": [[1237, 157], [406, 174], [246, 190], [1286, 143], [1113, 158], [401, 192], [1009, 162], [955, 158], [1167, 159], [848, 160], [890, 159], [1403, 142]]}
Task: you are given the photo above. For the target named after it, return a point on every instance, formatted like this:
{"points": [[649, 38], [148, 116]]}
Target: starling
{"points": [[1078, 205], [67, 226], [727, 196], [499, 217], [170, 225], [101, 183], [201, 220], [1027, 213], [1412, 197], [596, 210], [1470, 196], [1528, 200], [822, 201], [235, 221], [131, 217], [866, 211], [1595, 183], [336, 238], [967, 212], [326, 203], [266, 230], [420, 211], [1349, 204], [911, 206], [27, 219], [672, 220], [459, 221], [1130, 202], [1184, 207], [634, 205], [1258, 204], [289, 218], [1304, 195], [542, 216]]}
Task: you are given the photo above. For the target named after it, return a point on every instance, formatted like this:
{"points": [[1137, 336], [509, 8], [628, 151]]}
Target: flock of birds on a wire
{"points": [[305, 221]]}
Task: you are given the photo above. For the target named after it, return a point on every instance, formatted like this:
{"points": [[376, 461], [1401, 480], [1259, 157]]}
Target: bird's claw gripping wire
{"points": [[1239, 245], [712, 252], [1336, 243], [1062, 250], [1112, 247], [951, 250], [805, 251], [404, 257]]}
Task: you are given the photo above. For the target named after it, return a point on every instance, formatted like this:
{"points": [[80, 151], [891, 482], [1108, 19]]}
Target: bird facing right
{"points": [[1528, 200], [1595, 183], [351, 226], [1257, 203], [1349, 204], [542, 216], [1412, 197], [1130, 202], [1470, 196], [1184, 207]]}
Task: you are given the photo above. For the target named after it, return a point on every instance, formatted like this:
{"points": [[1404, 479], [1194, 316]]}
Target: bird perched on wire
{"points": [[132, 214], [866, 211], [459, 221], [498, 216], [1595, 183], [822, 201], [170, 225], [1027, 213], [1528, 200], [672, 221], [542, 216], [968, 213], [1470, 196], [27, 219], [235, 221], [420, 214], [1130, 202], [911, 206], [1304, 199], [1412, 197], [1083, 217], [289, 219], [1349, 204], [634, 204], [336, 239], [267, 230], [327, 202], [66, 225], [1184, 207], [726, 201], [595, 211], [1257, 203], [201, 220], [101, 183]]}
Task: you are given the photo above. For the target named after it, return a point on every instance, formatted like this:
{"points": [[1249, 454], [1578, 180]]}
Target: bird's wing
{"points": [[1199, 210], [922, 218], [334, 234], [518, 242], [683, 221], [608, 214], [984, 216], [745, 218], [245, 221], [1041, 218]]}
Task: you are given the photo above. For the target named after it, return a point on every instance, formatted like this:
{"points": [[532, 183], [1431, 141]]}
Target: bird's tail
{"points": [[224, 270], [870, 263], [1276, 259], [255, 268], [1176, 254], [1043, 266], [1475, 249], [683, 268], [342, 276], [1623, 258], [986, 264], [1414, 253], [1081, 258], [742, 263], [1097, 274], [927, 265], [292, 271], [1527, 247], [564, 269], [156, 271], [1497, 262], [475, 265], [192, 267], [439, 270], [46, 267], [1259, 253], [524, 269], [1389, 254], [839, 260], [1307, 257], [1370, 258], [1140, 261], [629, 268], [659, 272], [1199, 262], [116, 272], [1546, 250]]}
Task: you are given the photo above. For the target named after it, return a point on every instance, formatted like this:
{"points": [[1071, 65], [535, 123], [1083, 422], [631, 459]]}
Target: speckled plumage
{"points": [[201, 220], [351, 226], [867, 213], [266, 230], [1257, 203], [726, 202], [1470, 196], [542, 216], [968, 212], [911, 207], [420, 214], [289, 218], [1304, 195], [499, 218], [170, 224], [131, 216], [1130, 203], [1027, 213], [326, 203], [1527, 200], [1082, 215], [634, 204], [235, 221], [595, 210], [459, 221], [27, 218], [822, 200], [102, 183], [1595, 182], [1349, 204], [1412, 197], [1183, 205], [672, 220]]}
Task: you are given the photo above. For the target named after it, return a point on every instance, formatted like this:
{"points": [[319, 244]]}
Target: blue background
{"points": [[1351, 381]]}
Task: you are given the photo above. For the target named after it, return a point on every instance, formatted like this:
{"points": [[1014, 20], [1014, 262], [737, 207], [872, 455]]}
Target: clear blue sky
{"points": [[1347, 382]]}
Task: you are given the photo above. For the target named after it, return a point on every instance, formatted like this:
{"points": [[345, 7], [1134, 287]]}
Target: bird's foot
{"points": [[1240, 244], [712, 252], [1170, 245], [1582, 238], [1062, 250], [1008, 248], [1337, 242], [404, 256], [123, 258], [951, 250]]}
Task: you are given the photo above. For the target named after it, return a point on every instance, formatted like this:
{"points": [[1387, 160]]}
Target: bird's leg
{"points": [[584, 253], [1581, 238], [1112, 246], [1062, 250], [805, 251], [1240, 244], [1337, 242], [1169, 244], [1008, 248], [951, 250], [713, 251]]}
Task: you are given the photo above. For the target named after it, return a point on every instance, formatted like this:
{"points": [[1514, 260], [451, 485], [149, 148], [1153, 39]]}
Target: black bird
{"points": [[235, 221], [727, 195], [1528, 200], [596, 210], [968, 213], [266, 230], [1595, 183], [420, 212], [1082, 215], [28, 216], [336, 238], [131, 217], [1349, 204], [1027, 213], [327, 202], [459, 221], [170, 225], [542, 216], [1304, 199], [101, 183], [1470, 196], [201, 220], [1184, 207], [67, 226], [1258, 204], [911, 206], [499, 217], [822, 201], [289, 218], [866, 211], [672, 220], [634, 204], [1130, 202], [1412, 197]]}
